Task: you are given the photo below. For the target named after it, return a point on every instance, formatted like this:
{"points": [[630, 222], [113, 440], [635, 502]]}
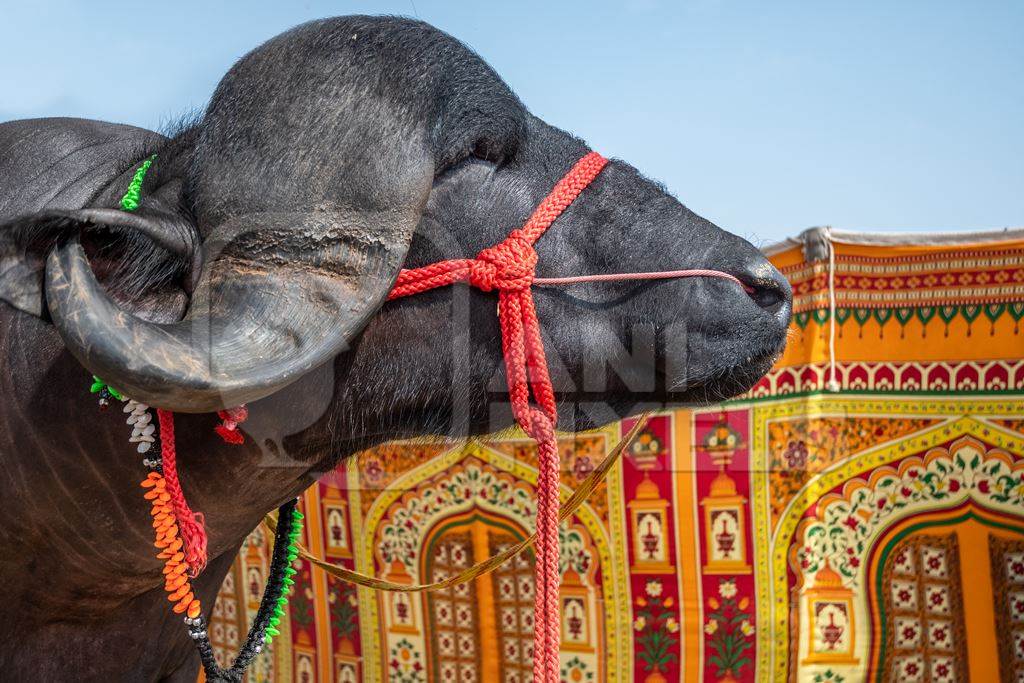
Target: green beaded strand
{"points": [[130, 200], [289, 571]]}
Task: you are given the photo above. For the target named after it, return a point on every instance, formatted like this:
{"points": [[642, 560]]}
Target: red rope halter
{"points": [[509, 267]]}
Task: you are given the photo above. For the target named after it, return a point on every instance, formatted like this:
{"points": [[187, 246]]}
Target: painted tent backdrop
{"points": [[859, 515]]}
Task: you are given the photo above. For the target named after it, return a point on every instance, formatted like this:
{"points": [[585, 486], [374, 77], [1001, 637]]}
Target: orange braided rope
{"points": [[168, 541]]}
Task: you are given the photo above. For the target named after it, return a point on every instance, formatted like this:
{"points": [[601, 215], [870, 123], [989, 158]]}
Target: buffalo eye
{"points": [[487, 150]]}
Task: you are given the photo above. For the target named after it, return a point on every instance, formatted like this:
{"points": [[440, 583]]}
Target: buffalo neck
{"points": [[77, 536]]}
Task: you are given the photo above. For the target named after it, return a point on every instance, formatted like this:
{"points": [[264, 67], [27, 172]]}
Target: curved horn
{"points": [[277, 301]]}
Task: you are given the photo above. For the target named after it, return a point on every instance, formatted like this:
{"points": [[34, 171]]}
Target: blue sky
{"points": [[764, 117]]}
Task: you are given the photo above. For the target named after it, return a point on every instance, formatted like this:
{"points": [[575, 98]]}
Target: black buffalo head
{"points": [[339, 151]]}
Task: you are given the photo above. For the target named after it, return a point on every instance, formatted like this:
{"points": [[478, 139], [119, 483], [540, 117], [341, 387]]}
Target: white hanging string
{"points": [[833, 379]]}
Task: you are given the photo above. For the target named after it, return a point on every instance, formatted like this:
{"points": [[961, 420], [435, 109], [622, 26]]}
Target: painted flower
{"points": [[746, 628], [639, 623], [711, 627], [727, 588], [672, 625], [373, 471], [582, 467], [796, 455], [653, 588]]}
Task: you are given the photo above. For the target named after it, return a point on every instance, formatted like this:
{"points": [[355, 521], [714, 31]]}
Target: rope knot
{"points": [[507, 266], [541, 427]]}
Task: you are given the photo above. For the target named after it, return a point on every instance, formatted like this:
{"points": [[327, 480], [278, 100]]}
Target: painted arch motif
{"points": [[834, 612], [436, 521]]}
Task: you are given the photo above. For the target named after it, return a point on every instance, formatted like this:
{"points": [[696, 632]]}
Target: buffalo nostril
{"points": [[766, 294], [767, 287]]}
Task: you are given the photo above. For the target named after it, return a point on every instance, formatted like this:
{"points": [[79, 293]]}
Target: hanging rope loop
{"points": [[578, 498]]}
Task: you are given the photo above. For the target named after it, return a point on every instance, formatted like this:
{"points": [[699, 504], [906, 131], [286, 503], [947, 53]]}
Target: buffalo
{"points": [[255, 270]]}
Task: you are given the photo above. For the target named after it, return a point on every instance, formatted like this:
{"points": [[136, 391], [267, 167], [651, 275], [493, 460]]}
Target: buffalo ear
{"points": [[140, 257]]}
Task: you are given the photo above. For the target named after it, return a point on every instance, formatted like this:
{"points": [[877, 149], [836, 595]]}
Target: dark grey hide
{"points": [[255, 269]]}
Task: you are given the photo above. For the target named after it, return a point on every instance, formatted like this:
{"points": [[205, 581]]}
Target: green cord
{"points": [[130, 200], [289, 571]]}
